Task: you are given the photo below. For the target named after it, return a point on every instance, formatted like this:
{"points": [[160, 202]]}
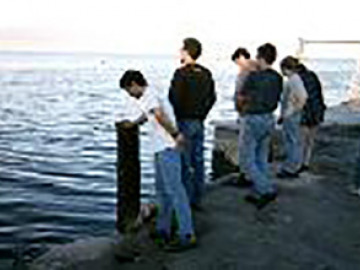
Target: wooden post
{"points": [[128, 176]]}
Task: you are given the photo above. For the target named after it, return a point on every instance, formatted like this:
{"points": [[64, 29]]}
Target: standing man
{"points": [[293, 101], [192, 95], [241, 57], [313, 113], [170, 191], [262, 90]]}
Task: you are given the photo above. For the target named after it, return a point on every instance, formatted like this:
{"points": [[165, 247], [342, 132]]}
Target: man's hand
{"points": [[180, 141], [240, 102]]}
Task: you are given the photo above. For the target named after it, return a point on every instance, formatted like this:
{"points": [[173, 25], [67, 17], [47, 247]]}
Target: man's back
{"points": [[315, 106], [192, 92], [262, 90]]}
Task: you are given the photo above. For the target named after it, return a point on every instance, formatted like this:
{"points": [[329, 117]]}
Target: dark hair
{"points": [[193, 47], [267, 52], [240, 52], [301, 68], [132, 76], [290, 63]]}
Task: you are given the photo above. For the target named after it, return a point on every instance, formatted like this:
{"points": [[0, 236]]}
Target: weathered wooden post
{"points": [[128, 176]]}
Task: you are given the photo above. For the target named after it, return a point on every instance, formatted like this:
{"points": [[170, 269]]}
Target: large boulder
{"points": [[335, 143]]}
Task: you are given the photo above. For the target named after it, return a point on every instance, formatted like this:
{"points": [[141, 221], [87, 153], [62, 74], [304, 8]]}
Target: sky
{"points": [[158, 26]]}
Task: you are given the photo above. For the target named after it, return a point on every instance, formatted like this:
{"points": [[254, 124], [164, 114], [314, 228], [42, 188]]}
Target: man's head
{"points": [[134, 83], [289, 65], [190, 51], [266, 55], [241, 57]]}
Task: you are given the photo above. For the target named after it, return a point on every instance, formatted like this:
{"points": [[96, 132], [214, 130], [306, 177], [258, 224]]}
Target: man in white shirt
{"points": [[167, 142], [293, 101]]}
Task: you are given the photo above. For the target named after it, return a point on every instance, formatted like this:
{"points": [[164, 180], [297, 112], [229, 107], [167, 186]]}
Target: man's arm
{"points": [[299, 93], [243, 94], [175, 88], [164, 120], [130, 124], [210, 98], [167, 124]]}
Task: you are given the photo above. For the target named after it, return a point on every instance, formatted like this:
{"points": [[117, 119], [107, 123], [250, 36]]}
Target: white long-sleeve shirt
{"points": [[294, 96]]}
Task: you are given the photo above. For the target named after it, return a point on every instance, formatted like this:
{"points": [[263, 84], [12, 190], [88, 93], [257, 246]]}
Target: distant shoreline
{"points": [[85, 53]]}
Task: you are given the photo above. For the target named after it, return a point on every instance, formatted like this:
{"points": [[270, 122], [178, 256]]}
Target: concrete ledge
{"points": [[341, 124], [314, 225]]}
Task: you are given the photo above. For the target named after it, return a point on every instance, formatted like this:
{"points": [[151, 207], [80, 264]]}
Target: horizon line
{"points": [[71, 52]]}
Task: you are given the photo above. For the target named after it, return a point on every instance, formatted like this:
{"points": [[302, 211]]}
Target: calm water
{"points": [[57, 140]]}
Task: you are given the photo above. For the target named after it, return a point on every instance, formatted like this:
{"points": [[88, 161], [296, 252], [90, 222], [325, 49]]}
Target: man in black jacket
{"points": [[313, 113], [261, 90], [192, 95]]}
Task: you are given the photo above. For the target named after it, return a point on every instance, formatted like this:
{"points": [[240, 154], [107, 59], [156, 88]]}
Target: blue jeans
{"points": [[171, 194], [292, 143], [254, 146], [242, 154], [193, 159]]}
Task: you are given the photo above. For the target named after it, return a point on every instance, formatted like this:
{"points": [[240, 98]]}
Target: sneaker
{"points": [[285, 174], [355, 191], [243, 182], [160, 238], [260, 201], [304, 168], [182, 244], [197, 207]]}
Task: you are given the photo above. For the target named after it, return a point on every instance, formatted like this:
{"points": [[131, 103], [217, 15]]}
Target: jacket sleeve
{"points": [[320, 91], [210, 99], [175, 86]]}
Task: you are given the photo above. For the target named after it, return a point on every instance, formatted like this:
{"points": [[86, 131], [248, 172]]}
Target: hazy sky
{"points": [[158, 26]]}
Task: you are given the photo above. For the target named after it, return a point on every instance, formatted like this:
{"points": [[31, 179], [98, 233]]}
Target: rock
{"points": [[312, 225], [342, 124], [70, 256]]}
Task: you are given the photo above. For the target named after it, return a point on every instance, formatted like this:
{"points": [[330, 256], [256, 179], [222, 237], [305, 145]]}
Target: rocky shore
{"points": [[313, 225]]}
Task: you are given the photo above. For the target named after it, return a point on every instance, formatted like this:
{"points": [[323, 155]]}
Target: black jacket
{"points": [[192, 92], [314, 109], [262, 90]]}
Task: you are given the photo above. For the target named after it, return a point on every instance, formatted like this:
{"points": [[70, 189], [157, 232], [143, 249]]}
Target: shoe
{"points": [[355, 191], [303, 168], [197, 207], [260, 201], [161, 238], [284, 174], [182, 244], [243, 182]]}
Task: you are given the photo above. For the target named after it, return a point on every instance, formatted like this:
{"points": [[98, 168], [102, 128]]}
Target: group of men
{"points": [[259, 90], [177, 128]]}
